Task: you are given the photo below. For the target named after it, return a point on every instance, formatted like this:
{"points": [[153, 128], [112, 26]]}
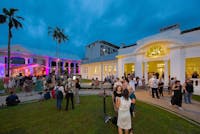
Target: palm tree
{"points": [[9, 17], [59, 36]]}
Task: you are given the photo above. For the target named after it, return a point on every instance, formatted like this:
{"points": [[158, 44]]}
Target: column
{"points": [[177, 64], [102, 71], [26, 60], [120, 68], [146, 72], [69, 67], [74, 68], [63, 66], [47, 66], [57, 60], [166, 78], [116, 74], [79, 68], [50, 65], [138, 66]]}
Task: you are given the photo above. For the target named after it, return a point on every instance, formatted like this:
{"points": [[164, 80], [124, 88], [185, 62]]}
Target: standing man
{"points": [[132, 83], [69, 89], [188, 89], [154, 86]]}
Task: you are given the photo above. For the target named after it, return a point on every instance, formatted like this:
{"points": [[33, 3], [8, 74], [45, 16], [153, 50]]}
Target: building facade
{"points": [[169, 53], [24, 62], [100, 60]]}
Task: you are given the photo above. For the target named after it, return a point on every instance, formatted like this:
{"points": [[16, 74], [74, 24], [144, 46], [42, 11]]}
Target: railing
{"points": [[196, 84]]}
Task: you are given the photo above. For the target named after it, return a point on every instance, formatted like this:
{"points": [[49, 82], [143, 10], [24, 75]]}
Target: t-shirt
{"points": [[153, 83], [132, 85]]}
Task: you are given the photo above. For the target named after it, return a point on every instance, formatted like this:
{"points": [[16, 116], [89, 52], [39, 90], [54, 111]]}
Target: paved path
{"points": [[191, 111]]}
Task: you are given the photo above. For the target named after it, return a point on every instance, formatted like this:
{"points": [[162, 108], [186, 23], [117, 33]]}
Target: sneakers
{"points": [[107, 118], [180, 108]]}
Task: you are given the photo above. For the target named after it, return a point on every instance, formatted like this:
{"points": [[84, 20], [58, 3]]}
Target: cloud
{"points": [[36, 28]]}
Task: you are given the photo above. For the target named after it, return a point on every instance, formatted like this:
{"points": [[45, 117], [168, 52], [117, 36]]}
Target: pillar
{"points": [[26, 60], [69, 67], [120, 68], [79, 68], [177, 64], [47, 66], [50, 65], [57, 60], [74, 68], [102, 71], [146, 72], [138, 66], [166, 78]]}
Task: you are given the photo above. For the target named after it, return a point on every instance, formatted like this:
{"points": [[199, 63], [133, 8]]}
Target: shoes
{"points": [[133, 113], [107, 118], [180, 108]]}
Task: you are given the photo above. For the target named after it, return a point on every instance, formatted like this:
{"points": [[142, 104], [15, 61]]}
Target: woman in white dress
{"points": [[124, 116]]}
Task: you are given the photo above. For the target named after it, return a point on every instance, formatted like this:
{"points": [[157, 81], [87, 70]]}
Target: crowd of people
{"points": [[175, 89], [48, 87]]}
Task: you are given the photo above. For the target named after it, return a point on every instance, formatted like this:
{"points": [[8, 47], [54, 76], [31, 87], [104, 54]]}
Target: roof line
{"points": [[190, 30]]}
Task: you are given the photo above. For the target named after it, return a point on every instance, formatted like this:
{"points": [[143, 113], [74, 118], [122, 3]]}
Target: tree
{"points": [[13, 21], [59, 36]]}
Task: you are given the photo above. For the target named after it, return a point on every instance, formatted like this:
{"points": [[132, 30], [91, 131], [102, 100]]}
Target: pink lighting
{"points": [[30, 69]]}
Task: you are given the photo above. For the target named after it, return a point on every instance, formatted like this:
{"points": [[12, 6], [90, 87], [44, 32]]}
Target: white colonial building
{"points": [[171, 53], [100, 60]]}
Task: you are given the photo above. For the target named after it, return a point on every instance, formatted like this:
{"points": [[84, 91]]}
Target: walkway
{"points": [[191, 111]]}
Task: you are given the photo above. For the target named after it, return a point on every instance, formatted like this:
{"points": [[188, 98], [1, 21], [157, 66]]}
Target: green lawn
{"points": [[87, 118], [86, 81], [196, 97]]}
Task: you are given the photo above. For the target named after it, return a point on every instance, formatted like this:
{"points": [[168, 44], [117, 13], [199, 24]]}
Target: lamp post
{"points": [[106, 118]]}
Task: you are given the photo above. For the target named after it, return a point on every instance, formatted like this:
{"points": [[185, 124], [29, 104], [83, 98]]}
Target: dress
{"points": [[124, 116]]}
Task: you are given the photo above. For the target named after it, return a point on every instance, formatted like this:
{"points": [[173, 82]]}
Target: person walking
{"points": [[77, 88], [69, 88], [177, 94], [154, 86], [188, 89], [124, 117]]}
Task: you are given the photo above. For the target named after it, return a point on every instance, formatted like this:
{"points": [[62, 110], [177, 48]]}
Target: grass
{"points": [[1, 85], [196, 97], [87, 118], [86, 81]]}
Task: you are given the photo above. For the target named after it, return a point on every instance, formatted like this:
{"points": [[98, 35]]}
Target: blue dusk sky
{"points": [[85, 21]]}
